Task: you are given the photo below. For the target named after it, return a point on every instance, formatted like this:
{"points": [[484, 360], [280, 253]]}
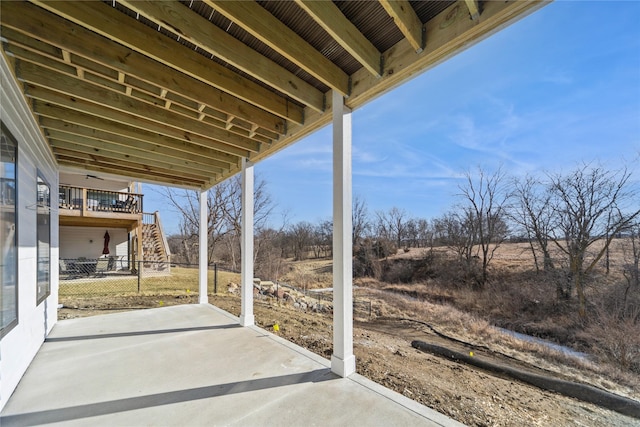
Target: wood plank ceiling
{"points": [[177, 92]]}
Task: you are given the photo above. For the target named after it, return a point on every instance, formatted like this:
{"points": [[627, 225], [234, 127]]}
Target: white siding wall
{"points": [[88, 242], [20, 345]]}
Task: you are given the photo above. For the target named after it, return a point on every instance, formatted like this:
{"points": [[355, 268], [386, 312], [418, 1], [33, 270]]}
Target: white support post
{"points": [[343, 362], [203, 256], [246, 247]]}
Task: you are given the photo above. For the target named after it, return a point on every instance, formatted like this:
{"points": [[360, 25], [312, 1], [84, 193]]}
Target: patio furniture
{"points": [[86, 267], [101, 267], [68, 269]]}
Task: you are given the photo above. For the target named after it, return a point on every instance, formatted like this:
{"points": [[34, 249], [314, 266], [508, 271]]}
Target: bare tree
{"points": [[425, 232], [187, 203], [392, 225], [532, 211], [360, 220], [486, 199], [324, 237], [269, 259], [411, 234], [457, 231], [590, 205], [232, 205], [301, 235], [224, 206], [631, 256]]}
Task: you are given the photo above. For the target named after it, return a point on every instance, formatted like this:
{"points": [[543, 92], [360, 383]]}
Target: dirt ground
{"points": [[384, 354]]}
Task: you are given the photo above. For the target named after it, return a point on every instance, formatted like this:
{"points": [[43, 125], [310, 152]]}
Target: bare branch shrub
{"points": [[617, 338]]}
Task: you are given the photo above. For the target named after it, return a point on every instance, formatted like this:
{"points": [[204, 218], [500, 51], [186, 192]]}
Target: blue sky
{"points": [[559, 87]]}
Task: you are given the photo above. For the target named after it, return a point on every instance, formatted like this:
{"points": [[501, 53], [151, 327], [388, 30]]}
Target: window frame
{"points": [[5, 329], [43, 211]]}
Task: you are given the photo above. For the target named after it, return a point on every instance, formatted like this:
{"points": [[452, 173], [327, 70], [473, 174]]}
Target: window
{"points": [[8, 235], [43, 207]]}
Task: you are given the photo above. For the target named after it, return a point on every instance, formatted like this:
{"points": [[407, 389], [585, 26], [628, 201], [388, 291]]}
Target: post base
{"points": [[345, 367], [247, 320]]}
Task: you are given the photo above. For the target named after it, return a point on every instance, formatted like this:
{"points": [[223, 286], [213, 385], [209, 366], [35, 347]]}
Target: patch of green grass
{"points": [[179, 281]]}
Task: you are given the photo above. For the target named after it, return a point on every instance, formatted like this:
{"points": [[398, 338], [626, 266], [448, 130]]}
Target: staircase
{"points": [[154, 251]]}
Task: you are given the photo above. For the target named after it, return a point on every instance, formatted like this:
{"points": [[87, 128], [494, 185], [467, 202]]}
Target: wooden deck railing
{"points": [[89, 199]]}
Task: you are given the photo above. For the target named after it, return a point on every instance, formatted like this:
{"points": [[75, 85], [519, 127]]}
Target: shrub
{"points": [[617, 338], [368, 256]]}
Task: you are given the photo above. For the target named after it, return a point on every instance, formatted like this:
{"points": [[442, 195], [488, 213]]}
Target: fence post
{"points": [[139, 274], [215, 278]]}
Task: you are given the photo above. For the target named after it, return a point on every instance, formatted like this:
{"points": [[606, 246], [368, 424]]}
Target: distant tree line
{"points": [[567, 219]]}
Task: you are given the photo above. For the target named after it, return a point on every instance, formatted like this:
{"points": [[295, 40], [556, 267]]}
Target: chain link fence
{"points": [[111, 276]]}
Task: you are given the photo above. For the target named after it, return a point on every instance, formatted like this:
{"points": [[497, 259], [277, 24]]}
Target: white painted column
{"points": [[246, 246], [343, 362], [203, 257]]}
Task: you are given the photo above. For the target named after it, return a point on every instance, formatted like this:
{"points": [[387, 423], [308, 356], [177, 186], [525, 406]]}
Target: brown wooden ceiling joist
{"points": [[59, 33], [105, 20], [131, 136], [74, 163], [61, 141], [172, 96], [108, 163], [330, 18], [81, 106], [200, 32], [125, 152], [407, 21], [265, 27], [82, 89]]}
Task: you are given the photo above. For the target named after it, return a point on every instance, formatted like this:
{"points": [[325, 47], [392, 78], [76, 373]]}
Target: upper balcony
{"points": [[81, 206]]}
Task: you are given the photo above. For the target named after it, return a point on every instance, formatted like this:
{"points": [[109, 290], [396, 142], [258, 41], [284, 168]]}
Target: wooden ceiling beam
{"points": [[474, 9], [407, 21], [201, 32], [91, 48], [109, 22], [240, 127], [257, 21], [108, 141], [119, 164], [64, 144], [70, 160], [61, 140], [331, 18], [79, 105], [87, 125], [79, 89]]}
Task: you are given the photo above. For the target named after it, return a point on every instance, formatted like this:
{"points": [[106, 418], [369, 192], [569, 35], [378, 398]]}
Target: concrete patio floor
{"points": [[194, 365]]}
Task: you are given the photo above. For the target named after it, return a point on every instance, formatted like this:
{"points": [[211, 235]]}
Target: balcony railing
{"points": [[88, 199]]}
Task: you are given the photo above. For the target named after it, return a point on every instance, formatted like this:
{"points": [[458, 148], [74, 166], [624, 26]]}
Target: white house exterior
{"points": [[88, 241], [23, 336]]}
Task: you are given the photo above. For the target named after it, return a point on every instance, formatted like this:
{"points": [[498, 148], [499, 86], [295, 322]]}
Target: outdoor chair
{"points": [[126, 205], [102, 265], [68, 269]]}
